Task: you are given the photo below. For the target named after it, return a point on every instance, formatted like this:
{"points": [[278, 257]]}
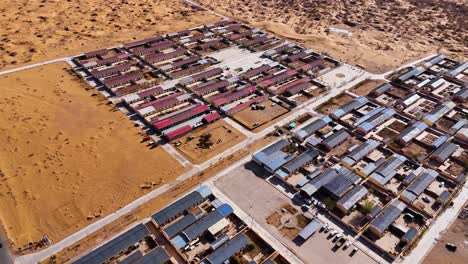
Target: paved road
{"points": [[65, 59], [418, 254]]}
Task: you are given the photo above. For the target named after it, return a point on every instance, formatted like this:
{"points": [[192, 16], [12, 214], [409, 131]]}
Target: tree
{"points": [[205, 141], [367, 206]]}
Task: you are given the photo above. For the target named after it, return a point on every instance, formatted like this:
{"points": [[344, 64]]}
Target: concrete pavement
{"points": [[441, 224]]}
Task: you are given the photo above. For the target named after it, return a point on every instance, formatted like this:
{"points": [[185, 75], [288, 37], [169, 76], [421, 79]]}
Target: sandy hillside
{"points": [[65, 155], [38, 30], [385, 34]]}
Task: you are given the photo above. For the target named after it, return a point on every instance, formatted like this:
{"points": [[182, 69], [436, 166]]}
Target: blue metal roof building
{"points": [[311, 128], [335, 139], [351, 198], [115, 246], [444, 151], [376, 120], [360, 152], [459, 69], [370, 114], [180, 225], [419, 185], [272, 157], [342, 183], [413, 72], [199, 227], [156, 256], [438, 112], [316, 183], [180, 206], [387, 217], [310, 229], [297, 163], [348, 107], [387, 170], [381, 89], [411, 132], [227, 250]]}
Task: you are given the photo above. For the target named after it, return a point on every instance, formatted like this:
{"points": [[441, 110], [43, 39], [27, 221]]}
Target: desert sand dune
{"points": [[385, 34], [38, 30], [67, 158]]}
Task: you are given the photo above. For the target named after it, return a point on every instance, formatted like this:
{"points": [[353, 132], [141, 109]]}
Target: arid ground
{"points": [[38, 30], [66, 157], [457, 234], [385, 34], [223, 137]]}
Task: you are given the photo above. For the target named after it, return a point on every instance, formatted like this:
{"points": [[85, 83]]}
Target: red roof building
{"points": [[210, 118], [178, 132], [177, 119]]}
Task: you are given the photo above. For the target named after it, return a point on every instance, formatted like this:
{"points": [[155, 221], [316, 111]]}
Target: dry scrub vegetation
{"points": [[37, 30], [386, 33]]}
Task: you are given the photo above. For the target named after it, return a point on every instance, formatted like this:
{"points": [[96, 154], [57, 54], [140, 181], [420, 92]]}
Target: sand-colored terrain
{"points": [[223, 137], [385, 34], [38, 30], [65, 155], [258, 120], [457, 234]]}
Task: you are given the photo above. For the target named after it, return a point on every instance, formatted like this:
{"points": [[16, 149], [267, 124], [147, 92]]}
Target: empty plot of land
{"points": [[256, 119], [66, 157], [456, 235], [261, 200], [334, 103], [222, 137], [365, 87]]}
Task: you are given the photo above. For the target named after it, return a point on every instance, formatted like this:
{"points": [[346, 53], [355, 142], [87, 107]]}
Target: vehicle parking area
{"points": [[260, 199]]}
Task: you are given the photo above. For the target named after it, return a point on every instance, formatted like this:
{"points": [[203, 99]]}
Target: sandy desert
{"points": [[38, 30], [377, 35], [68, 158]]}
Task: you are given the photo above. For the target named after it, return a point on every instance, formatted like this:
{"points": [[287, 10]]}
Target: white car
{"points": [[347, 244]]}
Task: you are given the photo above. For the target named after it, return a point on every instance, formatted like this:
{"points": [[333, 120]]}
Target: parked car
{"points": [[347, 244]]}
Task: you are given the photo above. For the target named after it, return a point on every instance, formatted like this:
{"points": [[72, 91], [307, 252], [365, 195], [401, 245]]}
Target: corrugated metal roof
{"points": [[361, 151], [319, 181], [420, 184], [348, 107], [180, 206], [311, 128], [176, 227], [439, 111], [445, 151], [115, 246], [199, 227], [156, 256], [301, 160], [387, 170], [376, 120], [229, 248], [310, 229], [412, 131], [341, 184], [352, 197], [132, 258], [382, 89], [388, 216], [336, 139]]}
